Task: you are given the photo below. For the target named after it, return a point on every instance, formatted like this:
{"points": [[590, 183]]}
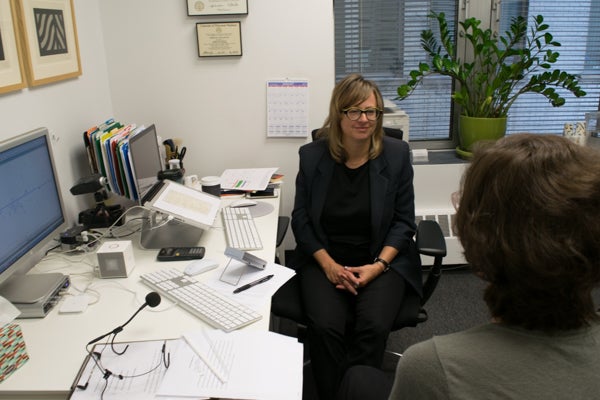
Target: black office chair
{"points": [[286, 302], [391, 132], [282, 226]]}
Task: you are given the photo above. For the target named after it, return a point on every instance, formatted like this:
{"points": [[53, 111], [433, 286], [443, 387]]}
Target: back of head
{"points": [[528, 222]]}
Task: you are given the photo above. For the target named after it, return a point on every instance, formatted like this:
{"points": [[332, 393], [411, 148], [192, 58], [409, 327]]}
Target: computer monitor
{"points": [[32, 213], [146, 162], [145, 158]]}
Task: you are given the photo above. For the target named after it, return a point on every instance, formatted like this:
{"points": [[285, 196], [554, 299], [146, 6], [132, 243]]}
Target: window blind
{"points": [[381, 40], [576, 26]]}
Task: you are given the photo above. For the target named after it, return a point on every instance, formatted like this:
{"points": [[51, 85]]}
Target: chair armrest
{"points": [[430, 239], [430, 242], [282, 226]]}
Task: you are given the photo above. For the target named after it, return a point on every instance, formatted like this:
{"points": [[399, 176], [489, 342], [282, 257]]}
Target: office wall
{"points": [[140, 64], [66, 108], [217, 106]]}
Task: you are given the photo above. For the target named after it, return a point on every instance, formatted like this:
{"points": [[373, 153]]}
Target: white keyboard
{"points": [[240, 230], [201, 300]]}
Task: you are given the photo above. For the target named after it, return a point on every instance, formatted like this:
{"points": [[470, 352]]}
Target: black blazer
{"points": [[392, 205]]}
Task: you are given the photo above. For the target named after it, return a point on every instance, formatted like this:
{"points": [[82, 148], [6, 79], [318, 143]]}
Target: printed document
{"points": [[249, 365]]}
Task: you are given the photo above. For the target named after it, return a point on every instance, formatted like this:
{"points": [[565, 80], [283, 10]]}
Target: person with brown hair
{"points": [[528, 219], [353, 220]]}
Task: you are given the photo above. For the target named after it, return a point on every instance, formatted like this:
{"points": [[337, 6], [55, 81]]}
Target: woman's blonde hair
{"points": [[349, 92]]}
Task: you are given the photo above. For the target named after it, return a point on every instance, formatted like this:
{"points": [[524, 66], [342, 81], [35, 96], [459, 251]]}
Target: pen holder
{"points": [[175, 175]]}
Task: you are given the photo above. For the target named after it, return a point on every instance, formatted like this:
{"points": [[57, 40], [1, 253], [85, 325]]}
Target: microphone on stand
{"points": [[152, 300]]}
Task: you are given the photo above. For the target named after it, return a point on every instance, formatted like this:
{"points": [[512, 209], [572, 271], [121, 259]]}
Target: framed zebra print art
{"points": [[12, 73], [50, 46]]}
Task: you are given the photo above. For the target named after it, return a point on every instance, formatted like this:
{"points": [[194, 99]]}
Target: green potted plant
{"points": [[498, 70]]}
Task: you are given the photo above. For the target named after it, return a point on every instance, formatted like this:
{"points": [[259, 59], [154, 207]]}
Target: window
{"points": [[575, 26], [381, 40]]}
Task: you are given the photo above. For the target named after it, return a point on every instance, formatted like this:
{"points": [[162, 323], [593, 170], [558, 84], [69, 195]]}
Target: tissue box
{"points": [[13, 353]]}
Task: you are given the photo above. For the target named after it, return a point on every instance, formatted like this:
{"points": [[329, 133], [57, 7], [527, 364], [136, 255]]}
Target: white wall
{"points": [[66, 108], [140, 65], [217, 106]]}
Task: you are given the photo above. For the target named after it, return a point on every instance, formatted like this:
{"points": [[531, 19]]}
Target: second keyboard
{"points": [[240, 230]]}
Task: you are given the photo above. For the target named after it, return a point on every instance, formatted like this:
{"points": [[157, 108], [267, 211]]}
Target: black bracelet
{"points": [[386, 265]]}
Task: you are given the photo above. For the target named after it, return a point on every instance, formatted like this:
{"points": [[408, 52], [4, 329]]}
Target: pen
{"points": [[249, 285], [200, 354]]}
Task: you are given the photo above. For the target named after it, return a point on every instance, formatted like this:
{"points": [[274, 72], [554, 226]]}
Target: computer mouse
{"points": [[243, 203], [200, 266]]}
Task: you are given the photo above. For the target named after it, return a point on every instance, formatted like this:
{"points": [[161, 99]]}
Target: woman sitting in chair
{"points": [[353, 220]]}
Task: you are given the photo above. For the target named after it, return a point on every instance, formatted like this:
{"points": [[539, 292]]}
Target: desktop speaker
{"points": [[115, 259]]}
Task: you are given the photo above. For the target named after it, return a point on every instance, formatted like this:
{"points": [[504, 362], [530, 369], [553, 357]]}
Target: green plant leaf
{"points": [[502, 67]]}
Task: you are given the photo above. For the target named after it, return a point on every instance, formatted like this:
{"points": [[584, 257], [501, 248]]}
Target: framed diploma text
{"points": [[217, 7], [219, 39]]}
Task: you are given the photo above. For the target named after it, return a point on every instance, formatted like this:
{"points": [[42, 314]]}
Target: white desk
{"points": [[56, 343]]}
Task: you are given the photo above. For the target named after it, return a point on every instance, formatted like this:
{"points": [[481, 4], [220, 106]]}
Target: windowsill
{"points": [[449, 156], [446, 156]]}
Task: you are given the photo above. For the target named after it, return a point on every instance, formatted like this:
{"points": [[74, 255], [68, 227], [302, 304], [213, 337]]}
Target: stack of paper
{"points": [[247, 179], [242, 365], [202, 364]]}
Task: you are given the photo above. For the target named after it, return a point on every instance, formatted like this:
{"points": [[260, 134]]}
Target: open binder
{"points": [[185, 204], [192, 212]]}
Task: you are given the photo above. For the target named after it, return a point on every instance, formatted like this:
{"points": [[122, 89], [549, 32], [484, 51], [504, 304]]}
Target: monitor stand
{"points": [[158, 233]]}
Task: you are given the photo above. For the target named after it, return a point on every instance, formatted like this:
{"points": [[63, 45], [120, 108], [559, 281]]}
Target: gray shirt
{"points": [[494, 361]]}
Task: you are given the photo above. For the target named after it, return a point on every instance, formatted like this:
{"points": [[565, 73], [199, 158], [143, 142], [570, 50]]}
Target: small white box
{"points": [[115, 259]]}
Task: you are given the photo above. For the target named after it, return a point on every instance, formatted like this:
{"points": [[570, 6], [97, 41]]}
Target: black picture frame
{"points": [[219, 39], [216, 7]]}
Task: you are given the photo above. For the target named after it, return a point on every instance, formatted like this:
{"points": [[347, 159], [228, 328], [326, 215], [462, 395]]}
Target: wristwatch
{"points": [[386, 265]]}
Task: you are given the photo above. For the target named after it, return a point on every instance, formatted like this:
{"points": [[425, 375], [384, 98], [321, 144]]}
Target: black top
{"points": [[392, 210], [346, 215]]}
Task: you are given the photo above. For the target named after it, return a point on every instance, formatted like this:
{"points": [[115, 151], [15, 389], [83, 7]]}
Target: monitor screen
{"points": [[145, 158], [31, 206]]}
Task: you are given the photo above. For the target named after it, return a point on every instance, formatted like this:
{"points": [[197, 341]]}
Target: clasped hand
{"points": [[352, 278]]}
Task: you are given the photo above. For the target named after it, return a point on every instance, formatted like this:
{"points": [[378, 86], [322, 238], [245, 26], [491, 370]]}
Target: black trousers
{"points": [[362, 382], [344, 329]]}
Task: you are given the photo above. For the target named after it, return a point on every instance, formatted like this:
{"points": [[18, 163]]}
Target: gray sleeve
{"points": [[419, 375]]}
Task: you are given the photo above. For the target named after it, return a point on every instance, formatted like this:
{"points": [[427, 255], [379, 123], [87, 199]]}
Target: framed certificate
{"points": [[217, 7], [219, 39]]}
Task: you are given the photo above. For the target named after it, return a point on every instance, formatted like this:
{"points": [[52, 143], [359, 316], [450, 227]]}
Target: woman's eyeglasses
{"points": [[354, 114]]}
